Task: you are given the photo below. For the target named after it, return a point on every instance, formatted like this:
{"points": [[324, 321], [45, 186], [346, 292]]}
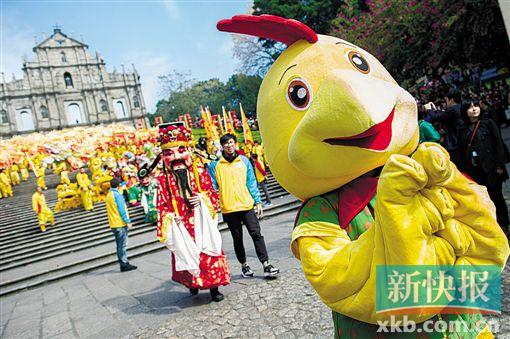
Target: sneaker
{"points": [[246, 271], [268, 204], [193, 291], [128, 267], [270, 271]]}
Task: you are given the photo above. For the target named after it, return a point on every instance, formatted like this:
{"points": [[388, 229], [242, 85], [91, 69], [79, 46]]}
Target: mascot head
{"points": [[328, 110]]}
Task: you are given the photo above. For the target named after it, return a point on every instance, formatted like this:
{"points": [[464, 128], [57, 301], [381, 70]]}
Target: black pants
{"points": [[495, 191], [263, 185], [235, 223], [496, 195]]}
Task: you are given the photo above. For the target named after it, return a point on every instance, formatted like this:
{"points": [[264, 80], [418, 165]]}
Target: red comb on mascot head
{"points": [[342, 135]]}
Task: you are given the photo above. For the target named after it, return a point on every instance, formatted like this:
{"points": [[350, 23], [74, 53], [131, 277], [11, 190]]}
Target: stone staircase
{"points": [[80, 241]]}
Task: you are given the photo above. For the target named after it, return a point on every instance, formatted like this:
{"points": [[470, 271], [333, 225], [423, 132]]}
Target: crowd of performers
{"points": [[87, 159], [163, 169]]}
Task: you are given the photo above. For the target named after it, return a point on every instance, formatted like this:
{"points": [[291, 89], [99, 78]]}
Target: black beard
{"points": [[181, 176]]}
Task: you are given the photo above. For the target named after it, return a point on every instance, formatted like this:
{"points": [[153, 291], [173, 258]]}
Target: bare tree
{"points": [[175, 81], [255, 58]]}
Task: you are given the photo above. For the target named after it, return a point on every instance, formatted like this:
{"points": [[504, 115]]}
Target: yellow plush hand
{"points": [[473, 232], [427, 213]]}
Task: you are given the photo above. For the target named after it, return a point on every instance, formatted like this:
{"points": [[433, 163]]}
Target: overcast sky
{"points": [[156, 36]]}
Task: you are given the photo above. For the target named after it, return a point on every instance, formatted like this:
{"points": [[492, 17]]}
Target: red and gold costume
{"points": [[173, 204]]}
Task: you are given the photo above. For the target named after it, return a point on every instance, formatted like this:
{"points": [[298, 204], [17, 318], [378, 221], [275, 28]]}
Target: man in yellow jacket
{"points": [[5, 184], [44, 214], [234, 179], [85, 187], [118, 218]]}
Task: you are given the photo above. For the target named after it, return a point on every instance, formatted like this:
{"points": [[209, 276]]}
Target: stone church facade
{"points": [[66, 86]]}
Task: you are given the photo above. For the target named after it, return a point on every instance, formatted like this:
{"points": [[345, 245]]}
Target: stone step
{"points": [[73, 239], [139, 244]]}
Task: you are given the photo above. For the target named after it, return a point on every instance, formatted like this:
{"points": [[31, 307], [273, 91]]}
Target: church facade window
{"points": [[4, 118], [44, 112], [68, 79], [103, 106]]}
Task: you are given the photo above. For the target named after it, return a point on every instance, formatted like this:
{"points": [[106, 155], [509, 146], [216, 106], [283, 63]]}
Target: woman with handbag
{"points": [[483, 156]]}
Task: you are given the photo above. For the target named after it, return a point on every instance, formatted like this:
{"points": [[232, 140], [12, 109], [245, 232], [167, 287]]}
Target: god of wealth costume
{"points": [[86, 190], [346, 143], [191, 233], [44, 214]]}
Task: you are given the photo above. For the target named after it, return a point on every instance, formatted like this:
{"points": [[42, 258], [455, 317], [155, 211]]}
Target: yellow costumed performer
{"points": [[44, 214], [86, 189], [40, 173], [5, 184], [14, 174], [342, 135], [23, 168], [64, 177]]}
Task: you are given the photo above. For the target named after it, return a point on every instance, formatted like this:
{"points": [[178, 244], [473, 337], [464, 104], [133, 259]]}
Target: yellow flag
{"points": [[248, 137], [214, 131], [220, 122], [206, 124], [229, 128]]}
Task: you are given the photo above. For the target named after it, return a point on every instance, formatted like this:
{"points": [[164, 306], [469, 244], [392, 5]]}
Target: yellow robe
{"points": [[44, 214], [427, 213], [5, 185], [64, 177], [40, 173], [58, 168], [24, 171], [86, 194], [14, 174]]}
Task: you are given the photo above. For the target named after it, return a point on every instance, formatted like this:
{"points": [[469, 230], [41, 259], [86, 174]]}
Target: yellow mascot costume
{"points": [[342, 135]]}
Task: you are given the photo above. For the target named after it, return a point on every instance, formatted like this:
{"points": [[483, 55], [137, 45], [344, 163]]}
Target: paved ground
{"points": [[109, 304], [146, 304]]}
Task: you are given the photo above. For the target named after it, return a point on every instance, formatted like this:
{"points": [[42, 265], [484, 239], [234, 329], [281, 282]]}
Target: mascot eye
{"points": [[299, 94], [359, 62]]}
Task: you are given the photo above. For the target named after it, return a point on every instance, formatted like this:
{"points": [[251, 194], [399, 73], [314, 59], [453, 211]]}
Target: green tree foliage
{"points": [[413, 37], [187, 98], [315, 13], [244, 89]]}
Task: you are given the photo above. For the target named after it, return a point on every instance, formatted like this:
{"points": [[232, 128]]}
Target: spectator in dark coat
{"points": [[449, 118], [482, 156]]}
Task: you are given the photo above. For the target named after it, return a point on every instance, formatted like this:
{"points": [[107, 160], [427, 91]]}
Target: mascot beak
{"points": [[351, 109]]}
